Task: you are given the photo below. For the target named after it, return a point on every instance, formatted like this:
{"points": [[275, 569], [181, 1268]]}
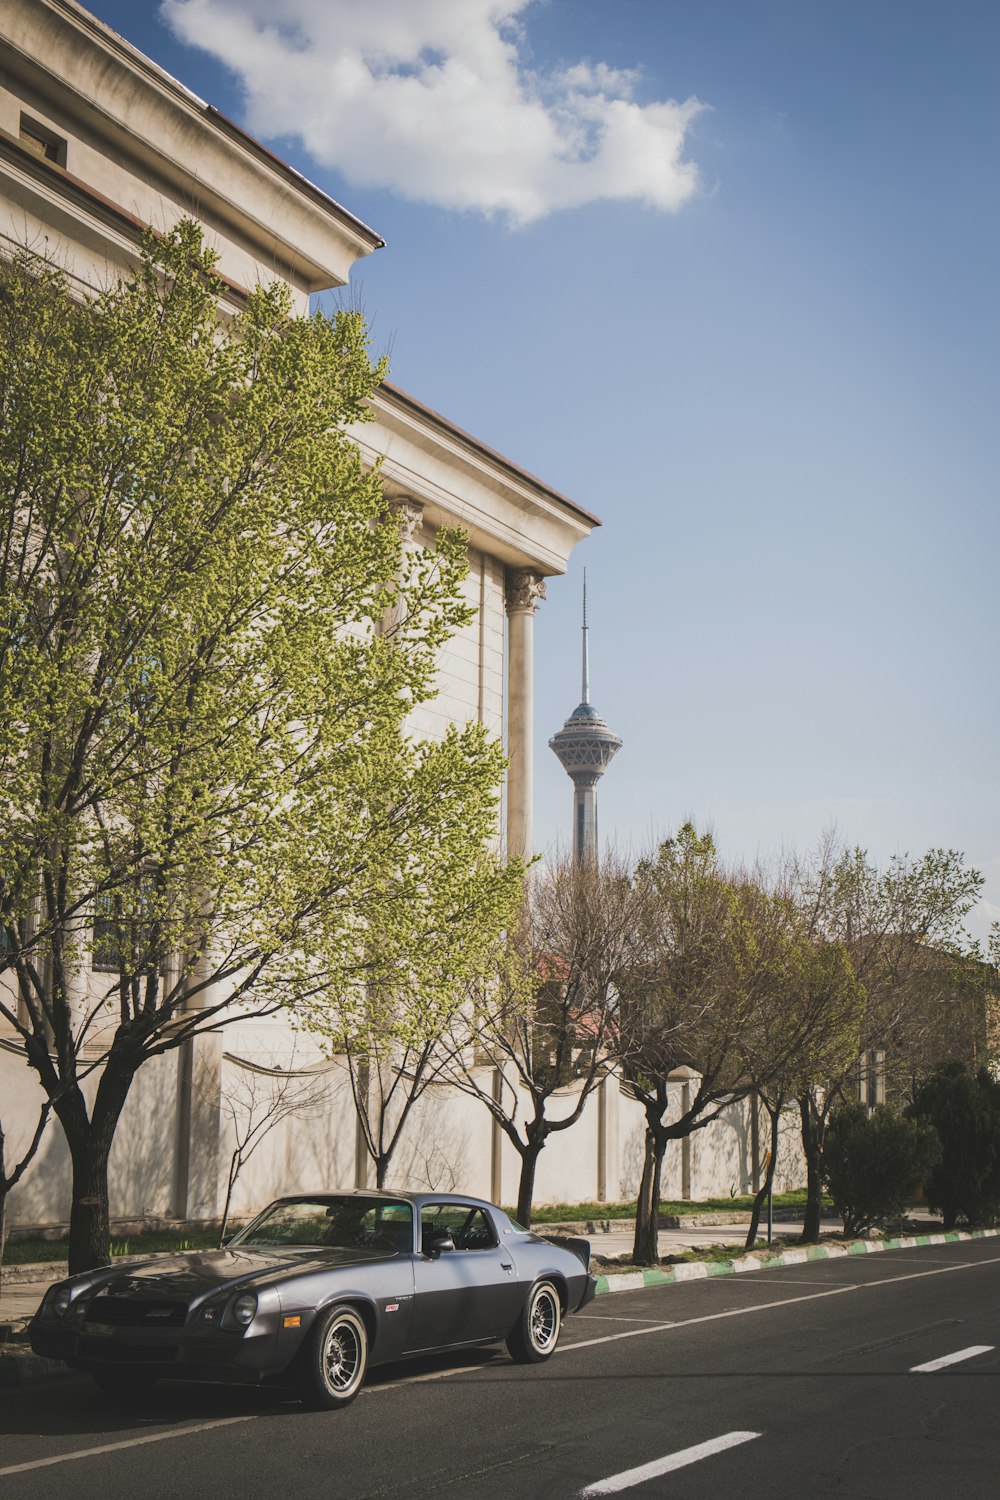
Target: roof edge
{"points": [[404, 399]]}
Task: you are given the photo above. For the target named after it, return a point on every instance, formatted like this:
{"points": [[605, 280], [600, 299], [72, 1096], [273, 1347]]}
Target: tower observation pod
{"points": [[585, 747]]}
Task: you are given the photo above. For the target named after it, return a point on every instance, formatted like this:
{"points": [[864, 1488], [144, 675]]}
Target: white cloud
{"points": [[436, 100]]}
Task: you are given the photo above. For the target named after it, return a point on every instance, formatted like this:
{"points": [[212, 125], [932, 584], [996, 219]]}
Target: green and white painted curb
{"points": [[700, 1270]]}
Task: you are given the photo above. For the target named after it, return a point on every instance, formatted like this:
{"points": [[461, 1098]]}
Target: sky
{"points": [[726, 275]]}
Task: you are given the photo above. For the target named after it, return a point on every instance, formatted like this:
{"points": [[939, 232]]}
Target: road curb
{"points": [[28, 1368], [701, 1270]]}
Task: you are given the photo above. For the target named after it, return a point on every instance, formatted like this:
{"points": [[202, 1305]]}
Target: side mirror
{"points": [[436, 1240]]}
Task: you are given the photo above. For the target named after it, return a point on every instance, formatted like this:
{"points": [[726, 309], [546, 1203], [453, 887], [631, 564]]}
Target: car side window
{"points": [[468, 1226]]}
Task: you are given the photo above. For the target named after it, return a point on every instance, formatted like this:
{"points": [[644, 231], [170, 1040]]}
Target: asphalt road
{"points": [[801, 1382]]}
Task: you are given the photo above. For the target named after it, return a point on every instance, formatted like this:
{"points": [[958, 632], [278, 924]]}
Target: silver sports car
{"points": [[317, 1289]]}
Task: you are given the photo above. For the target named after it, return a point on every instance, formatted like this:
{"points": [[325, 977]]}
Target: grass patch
{"points": [[558, 1213], [156, 1242]]}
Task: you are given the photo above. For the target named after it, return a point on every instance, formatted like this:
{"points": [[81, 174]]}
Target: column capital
{"points": [[523, 590], [410, 514]]}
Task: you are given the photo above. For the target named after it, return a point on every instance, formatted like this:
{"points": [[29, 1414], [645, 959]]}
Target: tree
{"points": [[874, 1163], [806, 1022], [430, 943], [11, 1176], [262, 1096], [540, 1021], [886, 921], [681, 1006], [210, 798], [965, 1112]]}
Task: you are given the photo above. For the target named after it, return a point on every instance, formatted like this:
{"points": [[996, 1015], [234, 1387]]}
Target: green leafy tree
{"points": [[211, 802], [682, 1005], [964, 1110], [873, 1164], [885, 920]]}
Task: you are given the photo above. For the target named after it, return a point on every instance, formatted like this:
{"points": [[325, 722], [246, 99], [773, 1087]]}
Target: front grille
{"points": [[110, 1352], [135, 1312]]}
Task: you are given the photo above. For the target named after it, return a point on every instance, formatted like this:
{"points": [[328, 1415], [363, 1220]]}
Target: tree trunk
{"points": [[234, 1172], [812, 1146], [381, 1171], [645, 1247], [526, 1185], [772, 1161], [89, 1219], [89, 1140], [3, 1221]]}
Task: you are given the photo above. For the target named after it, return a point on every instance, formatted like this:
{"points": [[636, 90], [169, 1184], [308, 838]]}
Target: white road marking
{"points": [[149, 1437], [951, 1359], [739, 1312], [611, 1318], [612, 1338], [667, 1465]]}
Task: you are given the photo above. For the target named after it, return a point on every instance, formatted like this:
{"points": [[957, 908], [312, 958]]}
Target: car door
{"points": [[464, 1294]]}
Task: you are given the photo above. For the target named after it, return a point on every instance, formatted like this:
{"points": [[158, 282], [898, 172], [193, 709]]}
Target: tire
{"points": [[331, 1366], [124, 1384], [536, 1333]]}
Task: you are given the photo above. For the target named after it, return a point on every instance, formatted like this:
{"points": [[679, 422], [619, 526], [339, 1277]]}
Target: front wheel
{"points": [[536, 1333], [331, 1366]]}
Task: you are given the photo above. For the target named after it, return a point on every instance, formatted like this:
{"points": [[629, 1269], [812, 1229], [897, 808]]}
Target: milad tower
{"points": [[585, 747]]}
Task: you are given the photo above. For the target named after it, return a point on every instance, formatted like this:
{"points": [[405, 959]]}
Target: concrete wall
{"points": [[447, 1144]]}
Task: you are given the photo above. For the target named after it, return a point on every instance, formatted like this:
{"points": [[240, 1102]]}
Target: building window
{"points": [[125, 939], [106, 954], [42, 141]]}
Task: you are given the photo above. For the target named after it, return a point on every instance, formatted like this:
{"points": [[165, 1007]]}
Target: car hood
{"points": [[198, 1273]]}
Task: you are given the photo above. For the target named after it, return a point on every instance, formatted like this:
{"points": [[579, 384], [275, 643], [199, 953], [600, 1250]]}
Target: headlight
{"points": [[61, 1300], [244, 1309]]}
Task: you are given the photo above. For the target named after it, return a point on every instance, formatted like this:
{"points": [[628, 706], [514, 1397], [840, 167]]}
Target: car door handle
{"points": [[505, 1265]]}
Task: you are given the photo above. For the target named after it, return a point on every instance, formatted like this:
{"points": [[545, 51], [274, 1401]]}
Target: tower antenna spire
{"points": [[585, 693], [585, 747]]}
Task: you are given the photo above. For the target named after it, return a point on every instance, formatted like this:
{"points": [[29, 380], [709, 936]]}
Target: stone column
{"points": [[525, 590], [602, 1141], [410, 515], [198, 1140], [496, 1142]]}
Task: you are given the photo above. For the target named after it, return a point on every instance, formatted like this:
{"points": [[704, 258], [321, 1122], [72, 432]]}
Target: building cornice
{"points": [[506, 510], [100, 81]]}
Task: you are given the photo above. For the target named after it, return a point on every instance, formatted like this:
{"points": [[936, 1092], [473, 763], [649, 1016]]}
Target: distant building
{"points": [[585, 747]]}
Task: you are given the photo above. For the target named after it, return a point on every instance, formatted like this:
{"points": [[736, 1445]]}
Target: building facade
{"points": [[98, 145]]}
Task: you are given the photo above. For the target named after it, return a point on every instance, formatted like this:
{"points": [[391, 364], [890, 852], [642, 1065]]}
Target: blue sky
{"points": [[758, 338]]}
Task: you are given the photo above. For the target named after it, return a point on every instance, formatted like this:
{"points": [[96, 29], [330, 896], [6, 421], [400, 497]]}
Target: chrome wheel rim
{"points": [[544, 1320], [343, 1357]]}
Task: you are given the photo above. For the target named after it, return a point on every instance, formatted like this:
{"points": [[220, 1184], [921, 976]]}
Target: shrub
{"points": [[965, 1112], [873, 1166]]}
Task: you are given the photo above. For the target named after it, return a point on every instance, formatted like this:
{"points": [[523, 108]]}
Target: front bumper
{"points": [[180, 1353]]}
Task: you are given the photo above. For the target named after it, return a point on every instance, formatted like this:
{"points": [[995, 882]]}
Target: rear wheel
{"points": [[536, 1333], [331, 1366]]}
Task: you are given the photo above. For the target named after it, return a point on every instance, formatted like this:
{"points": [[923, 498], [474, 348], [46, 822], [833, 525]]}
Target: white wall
{"points": [[447, 1144]]}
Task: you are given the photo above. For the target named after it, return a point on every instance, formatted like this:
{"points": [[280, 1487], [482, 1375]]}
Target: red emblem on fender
{"points": [[392, 1307]]}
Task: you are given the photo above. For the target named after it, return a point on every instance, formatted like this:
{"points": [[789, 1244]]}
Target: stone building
{"points": [[97, 143]]}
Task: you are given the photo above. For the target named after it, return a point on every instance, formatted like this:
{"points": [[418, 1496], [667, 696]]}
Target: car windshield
{"points": [[346, 1223]]}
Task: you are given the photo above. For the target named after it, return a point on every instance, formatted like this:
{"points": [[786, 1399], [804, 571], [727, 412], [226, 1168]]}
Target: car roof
{"points": [[418, 1199]]}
